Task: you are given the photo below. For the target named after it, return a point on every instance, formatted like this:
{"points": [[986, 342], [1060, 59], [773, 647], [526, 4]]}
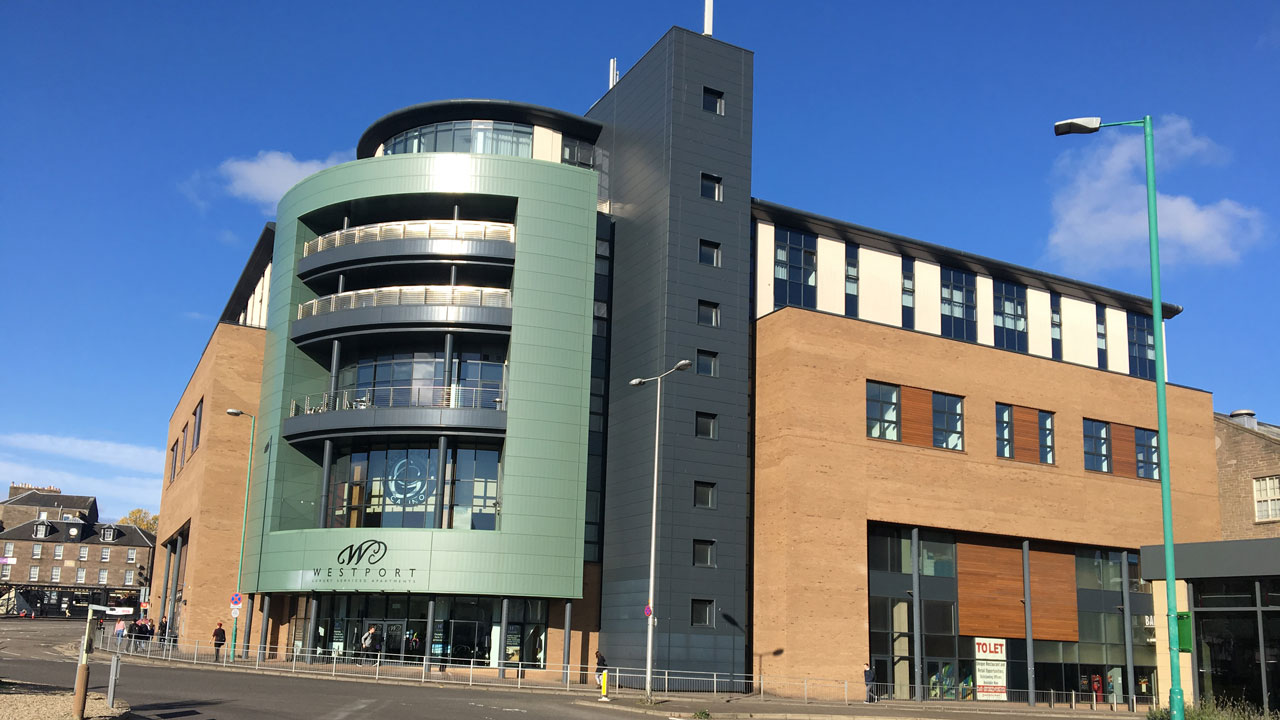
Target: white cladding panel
{"points": [[764, 269], [986, 311], [1039, 323], [830, 275], [880, 286], [1079, 332], [1117, 340], [928, 297]]}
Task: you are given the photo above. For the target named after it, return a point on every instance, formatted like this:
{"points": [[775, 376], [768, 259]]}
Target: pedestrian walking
{"points": [[869, 677], [219, 639], [601, 667], [119, 633], [163, 629]]}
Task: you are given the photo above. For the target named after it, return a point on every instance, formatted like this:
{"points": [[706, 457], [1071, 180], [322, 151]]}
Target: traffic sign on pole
{"points": [[236, 600], [235, 612]]}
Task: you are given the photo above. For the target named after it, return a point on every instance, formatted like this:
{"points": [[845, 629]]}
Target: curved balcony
{"points": [[392, 242], [406, 410], [409, 307]]}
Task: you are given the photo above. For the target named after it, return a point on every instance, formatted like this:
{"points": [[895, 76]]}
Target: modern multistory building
{"points": [[884, 450]]}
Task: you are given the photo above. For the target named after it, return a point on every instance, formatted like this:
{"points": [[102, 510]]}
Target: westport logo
{"points": [[371, 550]]}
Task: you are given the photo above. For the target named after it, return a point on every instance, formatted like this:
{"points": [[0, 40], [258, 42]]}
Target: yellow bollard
{"points": [[604, 686]]}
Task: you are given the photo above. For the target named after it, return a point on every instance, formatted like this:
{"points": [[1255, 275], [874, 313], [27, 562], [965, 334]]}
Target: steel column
{"points": [[917, 612], [1026, 609], [568, 632], [1128, 622]]}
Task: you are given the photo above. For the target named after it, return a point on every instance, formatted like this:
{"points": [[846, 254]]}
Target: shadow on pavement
{"points": [[178, 705]]}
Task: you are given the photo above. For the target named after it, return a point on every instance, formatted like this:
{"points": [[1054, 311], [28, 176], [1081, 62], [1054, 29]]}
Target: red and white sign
{"points": [[145, 605], [989, 669]]}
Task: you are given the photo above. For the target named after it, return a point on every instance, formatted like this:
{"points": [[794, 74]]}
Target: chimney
{"points": [[1245, 418]]}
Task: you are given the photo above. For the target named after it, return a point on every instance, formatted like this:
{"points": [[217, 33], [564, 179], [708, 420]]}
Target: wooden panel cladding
{"points": [[917, 417], [1053, 595], [989, 588], [1124, 459], [1026, 434]]}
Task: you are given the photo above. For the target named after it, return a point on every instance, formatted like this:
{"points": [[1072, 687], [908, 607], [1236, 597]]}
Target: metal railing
{"points": [[424, 396], [412, 230], [406, 666], [462, 295]]}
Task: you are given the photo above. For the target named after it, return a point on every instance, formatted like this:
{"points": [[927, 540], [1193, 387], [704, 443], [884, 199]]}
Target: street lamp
{"points": [[653, 533], [244, 516], [1081, 126]]}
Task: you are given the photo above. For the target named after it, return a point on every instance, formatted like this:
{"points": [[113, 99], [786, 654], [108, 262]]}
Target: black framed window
{"points": [[795, 269], [709, 253], [850, 280], [1010, 305], [578, 153], [704, 494], [1142, 346], [197, 419], [1046, 437], [712, 187], [948, 421], [1097, 445], [704, 553], [466, 136], [706, 425], [1055, 324], [1101, 314], [708, 313], [173, 461], [702, 613], [1004, 430], [708, 363], [883, 411], [908, 293], [712, 101], [1146, 444], [959, 305]]}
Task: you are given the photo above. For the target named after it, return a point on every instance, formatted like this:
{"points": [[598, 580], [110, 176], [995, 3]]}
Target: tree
{"points": [[140, 518]]}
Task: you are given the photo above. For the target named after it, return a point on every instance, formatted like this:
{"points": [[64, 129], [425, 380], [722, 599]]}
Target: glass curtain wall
{"points": [[467, 136], [395, 486], [1237, 632]]}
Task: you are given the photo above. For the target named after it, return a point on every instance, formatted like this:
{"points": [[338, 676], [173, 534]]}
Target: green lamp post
{"points": [[1092, 125], [253, 426]]}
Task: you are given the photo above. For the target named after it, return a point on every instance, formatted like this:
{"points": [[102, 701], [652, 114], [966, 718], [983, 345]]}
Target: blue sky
{"points": [[146, 143]]}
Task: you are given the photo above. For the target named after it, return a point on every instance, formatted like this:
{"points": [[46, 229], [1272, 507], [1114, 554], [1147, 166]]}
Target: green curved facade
{"points": [[537, 548]]}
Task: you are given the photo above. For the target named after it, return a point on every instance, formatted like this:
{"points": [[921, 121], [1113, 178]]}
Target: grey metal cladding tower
{"points": [[676, 124]]}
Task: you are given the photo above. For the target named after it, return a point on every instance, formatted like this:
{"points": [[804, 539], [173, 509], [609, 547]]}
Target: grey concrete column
{"points": [[502, 641], [313, 608], [431, 627], [248, 624], [568, 633], [442, 468], [164, 585], [177, 573], [326, 466], [1195, 646], [266, 623], [1026, 609], [917, 637], [1262, 647], [1128, 621]]}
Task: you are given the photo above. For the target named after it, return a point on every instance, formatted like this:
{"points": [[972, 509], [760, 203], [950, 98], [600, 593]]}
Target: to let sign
{"points": [[990, 669]]}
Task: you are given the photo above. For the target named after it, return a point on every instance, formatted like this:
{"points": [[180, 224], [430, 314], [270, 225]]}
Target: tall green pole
{"points": [[1176, 709], [244, 518]]}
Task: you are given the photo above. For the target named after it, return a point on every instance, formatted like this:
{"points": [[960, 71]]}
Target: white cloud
{"points": [[121, 455], [265, 179], [116, 495], [1100, 210]]}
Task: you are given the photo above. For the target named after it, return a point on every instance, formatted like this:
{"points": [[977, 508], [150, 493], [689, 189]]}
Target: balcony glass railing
{"points": [[412, 230], [407, 295], [423, 396]]}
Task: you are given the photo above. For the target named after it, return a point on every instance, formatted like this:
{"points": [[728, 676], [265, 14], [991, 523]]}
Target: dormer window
{"points": [[108, 534], [42, 530]]}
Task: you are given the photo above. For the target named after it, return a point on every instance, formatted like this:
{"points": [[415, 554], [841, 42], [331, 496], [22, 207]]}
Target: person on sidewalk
{"points": [[163, 629], [869, 677], [601, 666], [219, 639]]}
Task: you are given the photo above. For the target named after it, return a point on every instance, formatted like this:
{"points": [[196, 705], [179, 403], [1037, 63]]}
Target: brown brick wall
{"points": [[819, 479], [1243, 455], [115, 566], [206, 497]]}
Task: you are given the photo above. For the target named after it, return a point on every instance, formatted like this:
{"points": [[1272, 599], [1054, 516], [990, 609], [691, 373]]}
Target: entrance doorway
{"points": [[467, 642]]}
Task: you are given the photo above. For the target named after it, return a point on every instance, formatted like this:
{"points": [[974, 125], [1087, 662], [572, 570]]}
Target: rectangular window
{"points": [[102, 577], [1010, 304], [908, 292], [1101, 313], [1004, 430], [4, 571], [712, 187], [80, 575], [128, 577], [173, 461], [850, 280], [708, 363], [1097, 445], [704, 553], [57, 552], [109, 534], [84, 552], [578, 153], [704, 494], [959, 305], [1055, 324], [1046, 437], [1146, 445], [795, 269], [1142, 346], [712, 101], [132, 555], [1266, 496], [182, 459], [709, 253], [8, 549], [33, 573], [196, 419], [37, 550], [708, 313], [705, 425], [883, 404], [948, 421], [55, 574], [42, 530], [106, 554], [702, 613]]}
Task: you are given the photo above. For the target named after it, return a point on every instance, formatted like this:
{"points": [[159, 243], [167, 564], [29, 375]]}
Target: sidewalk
{"points": [[684, 707]]}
